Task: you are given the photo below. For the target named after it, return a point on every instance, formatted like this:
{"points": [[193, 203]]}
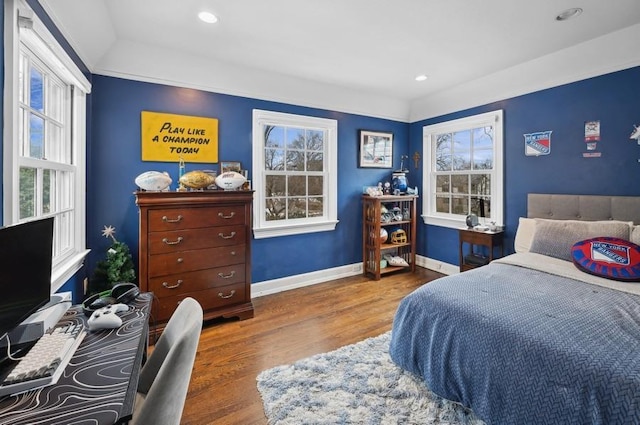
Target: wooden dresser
{"points": [[196, 244]]}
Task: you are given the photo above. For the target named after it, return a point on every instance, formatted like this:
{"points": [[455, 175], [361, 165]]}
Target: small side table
{"points": [[473, 259]]}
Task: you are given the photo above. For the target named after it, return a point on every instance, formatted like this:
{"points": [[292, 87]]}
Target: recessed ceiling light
{"points": [[421, 77], [208, 17], [565, 15]]}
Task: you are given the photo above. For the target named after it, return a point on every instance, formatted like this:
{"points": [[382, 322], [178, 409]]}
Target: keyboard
{"points": [[45, 361]]}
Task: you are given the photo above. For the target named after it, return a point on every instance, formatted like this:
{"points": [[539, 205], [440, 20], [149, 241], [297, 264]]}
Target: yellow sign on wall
{"points": [[169, 138]]}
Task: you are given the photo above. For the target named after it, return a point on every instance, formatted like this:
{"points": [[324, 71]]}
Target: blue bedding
{"points": [[520, 346]]}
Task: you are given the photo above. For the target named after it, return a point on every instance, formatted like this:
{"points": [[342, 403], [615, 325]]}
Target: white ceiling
{"points": [[360, 55]]}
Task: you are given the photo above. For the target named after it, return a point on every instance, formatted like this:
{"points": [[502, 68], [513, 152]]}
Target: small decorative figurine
{"points": [[181, 170], [636, 133], [416, 159], [399, 178]]}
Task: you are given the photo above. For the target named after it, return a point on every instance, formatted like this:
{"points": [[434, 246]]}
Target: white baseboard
{"points": [[436, 265], [301, 280], [274, 286]]}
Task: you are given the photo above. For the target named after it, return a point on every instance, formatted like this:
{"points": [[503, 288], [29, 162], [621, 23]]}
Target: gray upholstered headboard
{"points": [[584, 207]]}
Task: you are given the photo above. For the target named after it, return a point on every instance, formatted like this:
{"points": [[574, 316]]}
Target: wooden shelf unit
{"points": [[372, 248]]}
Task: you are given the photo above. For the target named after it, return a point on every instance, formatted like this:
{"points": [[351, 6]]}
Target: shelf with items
{"points": [[389, 230]]}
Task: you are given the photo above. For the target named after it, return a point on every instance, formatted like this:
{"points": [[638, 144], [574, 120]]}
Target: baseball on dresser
{"points": [[230, 180]]}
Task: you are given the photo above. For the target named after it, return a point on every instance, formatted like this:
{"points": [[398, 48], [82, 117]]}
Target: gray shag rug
{"points": [[355, 384]]}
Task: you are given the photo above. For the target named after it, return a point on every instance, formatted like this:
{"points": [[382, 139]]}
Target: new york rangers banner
{"points": [[536, 144]]}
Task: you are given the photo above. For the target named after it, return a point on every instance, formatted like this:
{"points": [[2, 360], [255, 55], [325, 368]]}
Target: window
{"points": [[294, 174], [44, 137], [463, 170]]}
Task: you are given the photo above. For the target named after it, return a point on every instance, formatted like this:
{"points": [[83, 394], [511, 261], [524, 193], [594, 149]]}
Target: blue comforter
{"points": [[520, 346]]}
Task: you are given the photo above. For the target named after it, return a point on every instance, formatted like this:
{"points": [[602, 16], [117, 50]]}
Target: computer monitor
{"points": [[25, 270]]}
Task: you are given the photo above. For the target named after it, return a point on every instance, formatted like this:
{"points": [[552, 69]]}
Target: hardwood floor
{"points": [[287, 326]]}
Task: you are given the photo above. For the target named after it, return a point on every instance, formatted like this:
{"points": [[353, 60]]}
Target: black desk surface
{"points": [[99, 384]]}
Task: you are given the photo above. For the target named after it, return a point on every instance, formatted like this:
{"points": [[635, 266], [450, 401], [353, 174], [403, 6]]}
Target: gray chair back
{"points": [[164, 378]]}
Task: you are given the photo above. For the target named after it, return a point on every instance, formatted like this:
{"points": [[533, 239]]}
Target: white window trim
{"points": [[494, 118], [267, 229], [44, 44]]}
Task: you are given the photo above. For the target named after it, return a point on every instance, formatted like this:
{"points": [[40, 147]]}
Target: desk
{"points": [[99, 384], [490, 240]]}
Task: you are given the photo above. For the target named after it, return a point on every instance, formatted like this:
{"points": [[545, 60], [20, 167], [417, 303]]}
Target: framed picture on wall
{"points": [[230, 166], [376, 149]]}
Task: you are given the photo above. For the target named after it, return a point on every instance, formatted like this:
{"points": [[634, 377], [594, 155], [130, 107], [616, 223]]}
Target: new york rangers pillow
{"points": [[611, 258]]}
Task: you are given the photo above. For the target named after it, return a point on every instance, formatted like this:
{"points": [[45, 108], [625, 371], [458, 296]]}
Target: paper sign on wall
{"points": [[591, 138], [169, 138], [592, 131]]}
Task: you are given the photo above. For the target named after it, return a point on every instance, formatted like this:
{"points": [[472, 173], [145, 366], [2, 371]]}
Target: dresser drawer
{"points": [[195, 218], [179, 262], [173, 284], [209, 299], [190, 239]]}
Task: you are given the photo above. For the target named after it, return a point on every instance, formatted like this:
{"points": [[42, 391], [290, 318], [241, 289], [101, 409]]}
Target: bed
{"points": [[529, 338]]}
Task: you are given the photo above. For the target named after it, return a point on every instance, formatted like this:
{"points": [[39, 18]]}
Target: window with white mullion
{"points": [[64, 236], [464, 162], [292, 159], [58, 133], [46, 163], [44, 127], [55, 101]]}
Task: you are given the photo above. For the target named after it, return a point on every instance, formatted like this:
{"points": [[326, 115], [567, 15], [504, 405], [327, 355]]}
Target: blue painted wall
{"points": [[612, 99], [115, 162]]}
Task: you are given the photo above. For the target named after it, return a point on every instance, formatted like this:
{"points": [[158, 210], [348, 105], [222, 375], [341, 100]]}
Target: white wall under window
{"points": [[294, 174], [463, 170], [44, 137]]}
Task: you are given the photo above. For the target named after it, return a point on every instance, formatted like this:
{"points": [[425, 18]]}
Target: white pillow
{"points": [[524, 234], [635, 235]]}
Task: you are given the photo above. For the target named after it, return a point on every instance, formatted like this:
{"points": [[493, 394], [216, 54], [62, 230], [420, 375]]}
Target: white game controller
{"points": [[106, 317]]}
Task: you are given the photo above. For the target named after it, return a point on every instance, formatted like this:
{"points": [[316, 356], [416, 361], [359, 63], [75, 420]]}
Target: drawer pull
{"points": [[176, 242], [231, 294], [223, 236], [171, 220], [180, 260], [178, 283], [221, 215], [227, 276]]}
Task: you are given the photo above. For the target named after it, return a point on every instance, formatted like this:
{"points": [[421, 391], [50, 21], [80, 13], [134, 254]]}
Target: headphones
{"points": [[120, 293]]}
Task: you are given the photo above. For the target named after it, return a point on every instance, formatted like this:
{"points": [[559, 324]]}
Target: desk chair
{"points": [[164, 379]]}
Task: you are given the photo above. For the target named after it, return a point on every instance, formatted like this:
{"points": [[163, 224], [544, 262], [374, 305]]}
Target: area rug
{"points": [[355, 384]]}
